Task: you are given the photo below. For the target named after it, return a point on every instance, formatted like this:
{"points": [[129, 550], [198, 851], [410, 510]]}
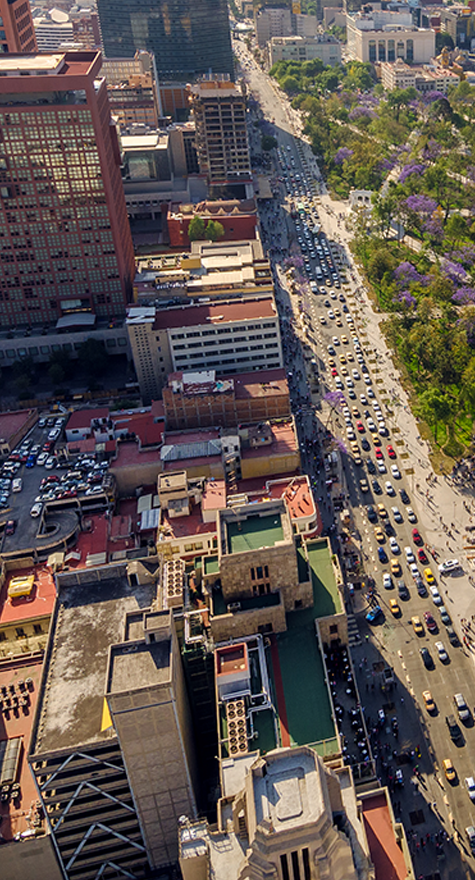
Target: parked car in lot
{"points": [[10, 527], [36, 509]]}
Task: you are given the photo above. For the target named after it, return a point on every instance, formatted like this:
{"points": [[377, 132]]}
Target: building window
{"points": [[372, 50], [410, 50], [37, 628], [3, 636], [391, 51], [306, 863], [259, 573], [295, 865], [253, 574], [334, 629], [284, 867], [382, 50], [264, 628], [400, 49], [20, 632]]}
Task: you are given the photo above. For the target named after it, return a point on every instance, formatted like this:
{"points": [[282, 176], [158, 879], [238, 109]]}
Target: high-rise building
{"points": [[219, 111], [186, 37], [65, 238], [17, 33]]}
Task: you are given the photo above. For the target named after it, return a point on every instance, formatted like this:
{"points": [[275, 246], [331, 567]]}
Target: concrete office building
{"points": [[270, 22], [238, 336], [17, 33], [66, 243], [111, 746], [53, 29], [283, 815], [325, 47], [219, 112], [386, 36], [187, 38]]}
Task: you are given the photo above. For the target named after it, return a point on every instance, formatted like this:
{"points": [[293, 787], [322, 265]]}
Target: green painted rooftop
{"points": [[326, 598], [211, 565], [254, 532]]}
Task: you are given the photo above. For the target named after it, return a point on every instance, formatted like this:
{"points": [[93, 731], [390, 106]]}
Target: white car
{"points": [[379, 416], [397, 514], [370, 392], [381, 467], [449, 565], [50, 462], [414, 570], [363, 399], [470, 786], [395, 472], [389, 488], [411, 515], [349, 382], [435, 596], [335, 340], [367, 379], [42, 458], [409, 554], [36, 509], [394, 545], [350, 433], [387, 582], [443, 656], [355, 374]]}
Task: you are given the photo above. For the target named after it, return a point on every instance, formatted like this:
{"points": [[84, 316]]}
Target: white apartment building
{"points": [[425, 79], [325, 47], [387, 36], [237, 336]]}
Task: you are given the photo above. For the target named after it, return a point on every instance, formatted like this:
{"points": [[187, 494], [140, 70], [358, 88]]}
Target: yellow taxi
{"points": [[344, 371], [429, 576], [382, 512], [342, 358], [344, 340], [395, 567], [394, 607], [354, 447], [449, 770], [379, 534], [355, 412], [331, 362], [417, 626], [338, 322], [350, 356], [376, 439], [428, 701]]}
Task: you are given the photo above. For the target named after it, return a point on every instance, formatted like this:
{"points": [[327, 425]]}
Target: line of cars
{"points": [[84, 476]]}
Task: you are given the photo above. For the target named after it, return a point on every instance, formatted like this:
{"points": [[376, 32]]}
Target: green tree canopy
{"points": [[196, 229], [268, 142], [214, 230]]}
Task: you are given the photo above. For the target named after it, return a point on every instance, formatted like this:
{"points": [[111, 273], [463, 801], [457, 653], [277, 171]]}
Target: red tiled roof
{"points": [[386, 855], [215, 313], [82, 418], [11, 422]]}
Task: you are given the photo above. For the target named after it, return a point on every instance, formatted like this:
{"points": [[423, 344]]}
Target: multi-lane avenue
{"points": [[396, 521]]}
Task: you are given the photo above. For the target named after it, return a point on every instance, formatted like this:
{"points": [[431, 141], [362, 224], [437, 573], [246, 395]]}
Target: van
{"points": [[462, 708], [17, 484], [470, 832]]}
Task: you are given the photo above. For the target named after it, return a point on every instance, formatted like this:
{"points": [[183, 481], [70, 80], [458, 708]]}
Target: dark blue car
{"points": [[383, 556]]}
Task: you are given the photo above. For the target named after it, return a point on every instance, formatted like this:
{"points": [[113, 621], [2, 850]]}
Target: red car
{"points": [[430, 622], [390, 451], [360, 427], [10, 527], [422, 556], [378, 453], [417, 538], [334, 372]]}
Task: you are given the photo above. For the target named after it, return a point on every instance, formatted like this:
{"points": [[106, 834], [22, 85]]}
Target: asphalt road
{"points": [[394, 642]]}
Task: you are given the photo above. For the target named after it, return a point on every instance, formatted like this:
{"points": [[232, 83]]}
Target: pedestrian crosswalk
{"points": [[354, 638]]}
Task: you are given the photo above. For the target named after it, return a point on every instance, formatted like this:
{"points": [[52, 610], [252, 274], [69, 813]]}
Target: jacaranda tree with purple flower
{"points": [[342, 155]]}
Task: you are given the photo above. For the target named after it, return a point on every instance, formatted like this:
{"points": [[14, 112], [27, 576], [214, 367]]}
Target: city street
{"points": [[386, 463]]}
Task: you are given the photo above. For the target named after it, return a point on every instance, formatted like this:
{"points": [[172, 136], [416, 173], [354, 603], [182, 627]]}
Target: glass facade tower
{"points": [[187, 37]]}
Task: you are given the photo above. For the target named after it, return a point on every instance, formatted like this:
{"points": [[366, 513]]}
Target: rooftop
{"points": [[148, 665], [19, 724], [284, 441], [219, 313], [254, 532], [39, 604], [89, 618], [327, 600], [386, 855], [12, 422], [48, 66]]}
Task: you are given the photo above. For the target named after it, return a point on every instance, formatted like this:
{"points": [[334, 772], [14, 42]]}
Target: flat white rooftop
{"points": [[11, 64]]}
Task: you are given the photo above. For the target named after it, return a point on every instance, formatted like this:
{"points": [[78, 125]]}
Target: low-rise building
{"points": [[242, 335], [298, 48], [426, 78], [386, 36], [237, 217], [13, 427], [203, 399]]}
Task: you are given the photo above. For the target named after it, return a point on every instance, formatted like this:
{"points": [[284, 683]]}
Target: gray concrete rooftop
{"points": [[90, 617], [139, 666]]}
